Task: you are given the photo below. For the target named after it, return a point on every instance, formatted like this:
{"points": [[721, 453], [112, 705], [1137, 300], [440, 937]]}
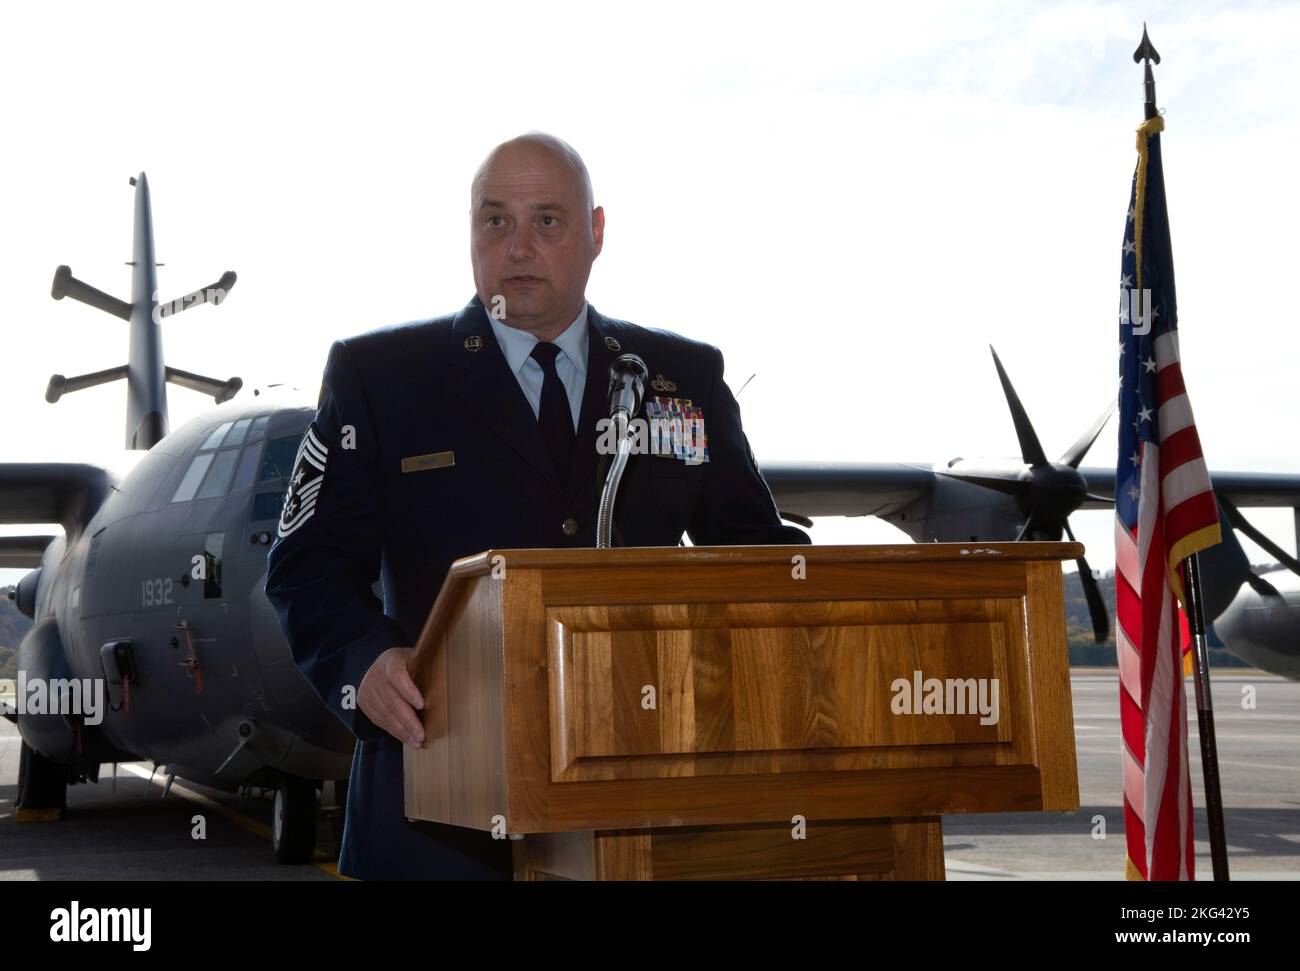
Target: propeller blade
{"points": [[1261, 586], [1010, 485], [1075, 453], [1223, 567], [1240, 522], [1106, 499], [1031, 450], [1092, 593], [1096, 603]]}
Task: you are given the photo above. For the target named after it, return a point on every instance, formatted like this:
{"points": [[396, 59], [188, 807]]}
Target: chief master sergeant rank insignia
{"points": [[305, 483]]}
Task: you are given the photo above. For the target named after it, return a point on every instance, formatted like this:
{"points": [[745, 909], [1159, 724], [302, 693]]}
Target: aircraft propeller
{"points": [[1047, 492]]}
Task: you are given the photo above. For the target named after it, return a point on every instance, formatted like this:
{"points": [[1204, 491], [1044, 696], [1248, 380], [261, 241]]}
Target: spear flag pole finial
{"points": [[1147, 52]]}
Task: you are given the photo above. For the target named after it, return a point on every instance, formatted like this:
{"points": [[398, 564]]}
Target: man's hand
{"points": [[389, 697]]}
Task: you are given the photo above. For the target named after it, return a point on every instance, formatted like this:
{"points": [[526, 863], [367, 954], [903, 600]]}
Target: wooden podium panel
{"points": [[878, 849], [672, 708]]}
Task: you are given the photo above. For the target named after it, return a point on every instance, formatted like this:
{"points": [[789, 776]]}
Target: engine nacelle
{"points": [[44, 672], [41, 658], [25, 593]]}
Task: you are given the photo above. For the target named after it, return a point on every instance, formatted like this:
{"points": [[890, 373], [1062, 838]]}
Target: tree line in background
{"points": [[1086, 653], [13, 628]]}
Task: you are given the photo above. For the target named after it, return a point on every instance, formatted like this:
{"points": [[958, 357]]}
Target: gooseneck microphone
{"points": [[627, 379]]}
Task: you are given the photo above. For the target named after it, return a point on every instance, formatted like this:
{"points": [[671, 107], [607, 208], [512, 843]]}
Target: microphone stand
{"points": [[605, 512]]}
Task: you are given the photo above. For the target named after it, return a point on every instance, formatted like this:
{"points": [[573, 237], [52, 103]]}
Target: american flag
{"points": [[1164, 511]]}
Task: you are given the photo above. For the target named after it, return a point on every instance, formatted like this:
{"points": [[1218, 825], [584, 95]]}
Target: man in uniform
{"points": [[437, 439]]}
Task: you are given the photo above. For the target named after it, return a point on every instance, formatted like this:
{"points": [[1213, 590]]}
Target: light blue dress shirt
{"points": [[570, 364]]}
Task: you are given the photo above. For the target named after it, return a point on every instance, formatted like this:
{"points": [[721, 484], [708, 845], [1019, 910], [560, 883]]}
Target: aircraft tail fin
{"points": [[145, 373]]}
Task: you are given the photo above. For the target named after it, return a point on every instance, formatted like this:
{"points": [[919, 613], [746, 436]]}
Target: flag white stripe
{"points": [[1190, 479], [1166, 349], [1159, 721], [1148, 507], [1175, 415], [1130, 666], [1133, 792], [1126, 554]]}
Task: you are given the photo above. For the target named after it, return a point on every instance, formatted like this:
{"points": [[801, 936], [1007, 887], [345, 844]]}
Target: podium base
{"points": [[903, 848]]}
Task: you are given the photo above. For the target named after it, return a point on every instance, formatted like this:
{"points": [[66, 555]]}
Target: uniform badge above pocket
{"points": [[434, 460]]}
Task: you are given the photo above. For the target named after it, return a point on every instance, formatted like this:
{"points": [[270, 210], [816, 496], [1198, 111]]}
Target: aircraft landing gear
{"points": [[42, 787], [293, 821]]}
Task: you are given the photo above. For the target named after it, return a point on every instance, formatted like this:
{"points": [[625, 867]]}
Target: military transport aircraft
{"points": [[155, 586], [1031, 498]]}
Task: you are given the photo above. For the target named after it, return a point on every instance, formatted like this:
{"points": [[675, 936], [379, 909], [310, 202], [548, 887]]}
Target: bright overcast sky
{"points": [[852, 201]]}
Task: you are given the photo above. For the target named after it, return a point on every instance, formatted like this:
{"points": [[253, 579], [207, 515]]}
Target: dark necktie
{"points": [[553, 414]]}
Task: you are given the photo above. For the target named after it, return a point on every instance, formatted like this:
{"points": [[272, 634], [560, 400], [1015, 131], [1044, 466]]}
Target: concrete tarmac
{"points": [[130, 832], [1259, 770]]}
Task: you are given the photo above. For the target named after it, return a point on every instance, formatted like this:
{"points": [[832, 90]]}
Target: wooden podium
{"points": [[743, 712]]}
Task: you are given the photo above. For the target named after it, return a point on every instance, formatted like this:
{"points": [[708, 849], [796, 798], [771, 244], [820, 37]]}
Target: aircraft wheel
{"points": [[293, 825], [42, 784]]}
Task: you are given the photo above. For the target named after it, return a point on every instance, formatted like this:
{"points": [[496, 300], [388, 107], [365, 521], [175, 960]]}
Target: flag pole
{"points": [[1205, 719], [1146, 54]]}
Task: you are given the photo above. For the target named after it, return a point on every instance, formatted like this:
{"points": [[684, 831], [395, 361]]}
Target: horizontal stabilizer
{"points": [[59, 385], [214, 294], [22, 552], [220, 390], [67, 285]]}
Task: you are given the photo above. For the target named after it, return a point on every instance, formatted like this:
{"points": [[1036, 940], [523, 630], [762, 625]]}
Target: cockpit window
{"points": [[259, 428], [280, 453], [218, 477], [247, 468], [193, 476], [218, 433], [237, 432]]}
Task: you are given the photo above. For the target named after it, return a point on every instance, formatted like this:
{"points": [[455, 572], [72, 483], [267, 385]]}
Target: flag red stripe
{"points": [[1179, 448], [1169, 383], [1190, 515]]}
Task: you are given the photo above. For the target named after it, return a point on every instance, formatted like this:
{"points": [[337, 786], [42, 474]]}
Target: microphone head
{"points": [[632, 364], [627, 379]]}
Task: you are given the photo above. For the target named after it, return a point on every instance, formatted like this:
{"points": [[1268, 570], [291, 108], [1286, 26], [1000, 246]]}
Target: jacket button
{"points": [[569, 527]]}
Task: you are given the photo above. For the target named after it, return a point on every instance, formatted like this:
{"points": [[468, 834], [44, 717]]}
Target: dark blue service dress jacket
{"points": [[354, 514]]}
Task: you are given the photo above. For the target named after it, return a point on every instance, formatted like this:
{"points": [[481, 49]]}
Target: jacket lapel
{"points": [[482, 379]]}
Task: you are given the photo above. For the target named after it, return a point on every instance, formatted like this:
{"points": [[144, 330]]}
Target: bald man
{"points": [[438, 439]]}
